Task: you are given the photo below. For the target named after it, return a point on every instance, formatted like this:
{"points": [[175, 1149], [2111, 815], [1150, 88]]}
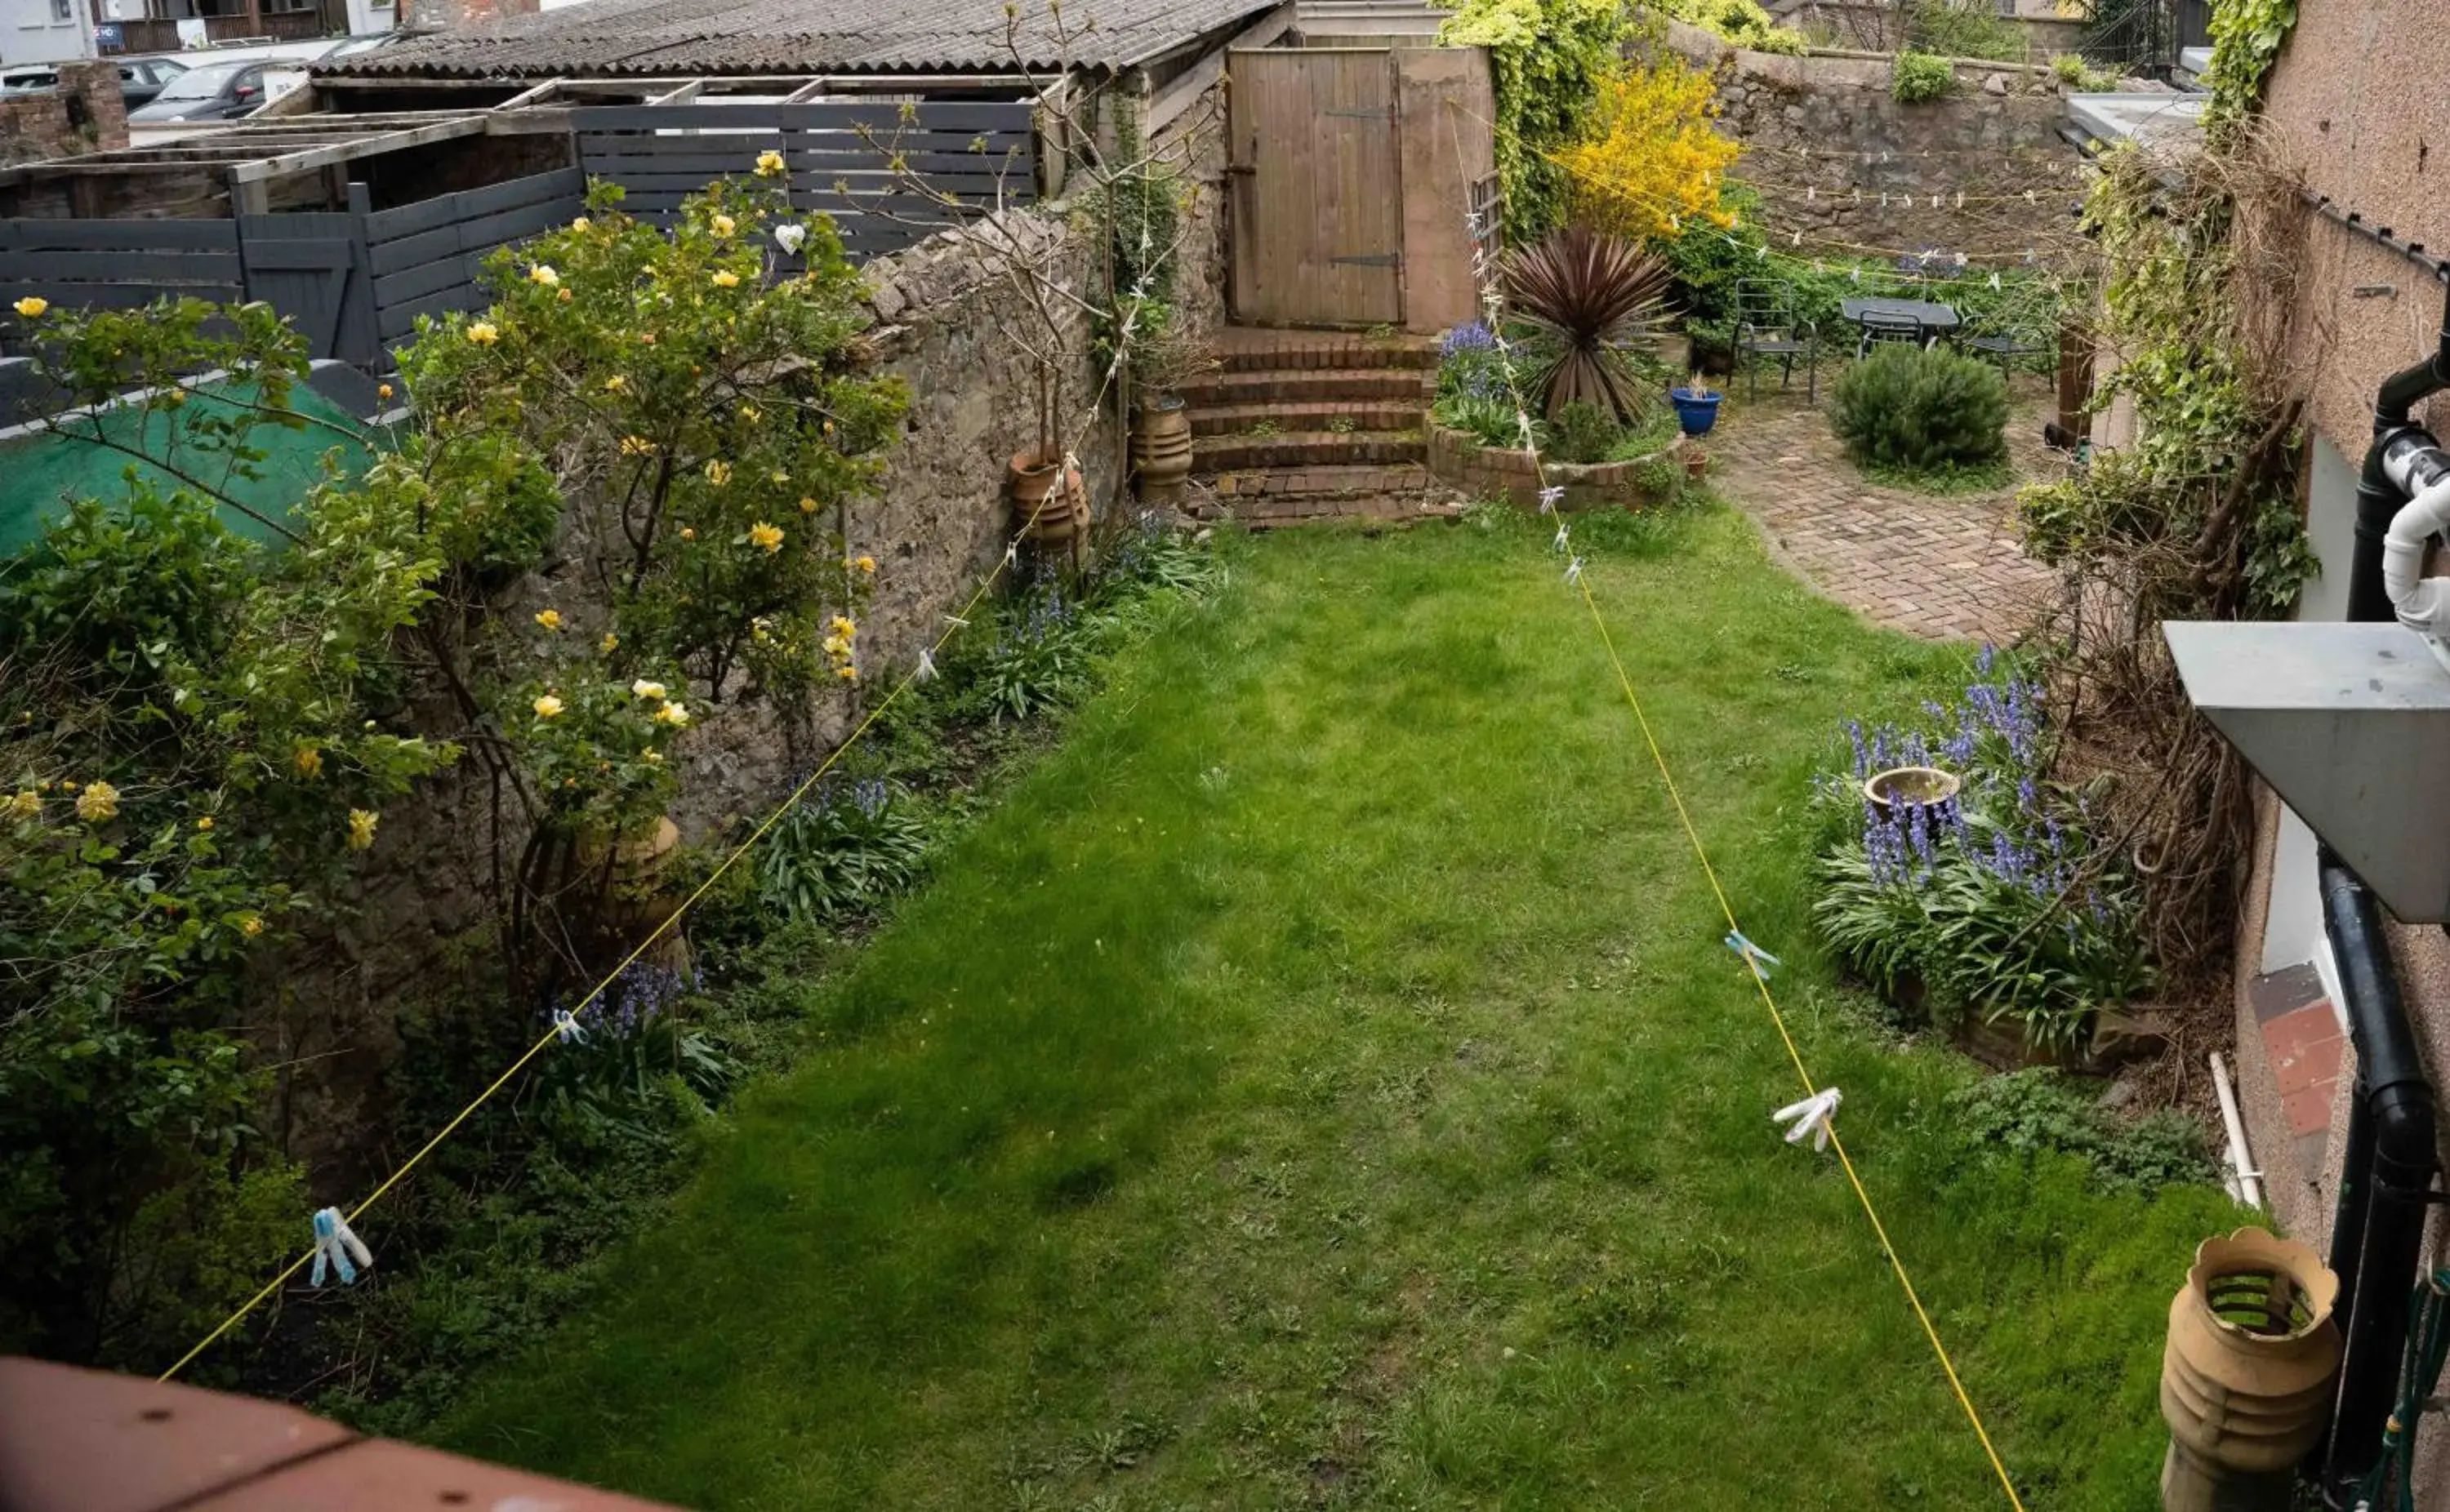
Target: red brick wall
{"points": [[449, 15], [84, 114]]}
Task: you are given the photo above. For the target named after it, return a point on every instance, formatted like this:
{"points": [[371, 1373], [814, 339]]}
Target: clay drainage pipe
{"points": [[2246, 1376]]}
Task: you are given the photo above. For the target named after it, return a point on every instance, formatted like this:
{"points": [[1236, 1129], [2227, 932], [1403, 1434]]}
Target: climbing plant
{"points": [[2247, 38], [1547, 59]]}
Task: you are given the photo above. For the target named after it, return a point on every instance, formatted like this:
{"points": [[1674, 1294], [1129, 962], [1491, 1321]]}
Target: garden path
{"points": [[1931, 566]]}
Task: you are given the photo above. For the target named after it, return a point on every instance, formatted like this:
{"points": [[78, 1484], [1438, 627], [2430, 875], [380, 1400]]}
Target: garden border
{"points": [[1459, 462]]}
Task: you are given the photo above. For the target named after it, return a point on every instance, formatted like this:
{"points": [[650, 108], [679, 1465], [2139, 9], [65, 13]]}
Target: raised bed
{"points": [[1488, 472]]}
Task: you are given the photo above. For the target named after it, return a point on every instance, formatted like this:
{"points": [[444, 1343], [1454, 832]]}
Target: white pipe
{"points": [[2249, 1181], [2422, 603]]}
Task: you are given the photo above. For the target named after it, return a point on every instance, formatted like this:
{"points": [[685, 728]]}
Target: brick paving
{"points": [[1940, 568]]}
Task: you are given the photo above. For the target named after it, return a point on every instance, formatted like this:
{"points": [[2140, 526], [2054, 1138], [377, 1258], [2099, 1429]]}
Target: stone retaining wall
{"points": [[84, 114], [1512, 473], [1835, 155]]}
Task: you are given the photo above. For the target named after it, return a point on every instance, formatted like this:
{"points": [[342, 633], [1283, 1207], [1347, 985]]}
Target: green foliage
{"points": [[1743, 23], [2078, 73], [2247, 38], [2040, 1109], [1918, 78], [1583, 432], [1915, 408], [842, 849], [1546, 58], [1963, 29]]}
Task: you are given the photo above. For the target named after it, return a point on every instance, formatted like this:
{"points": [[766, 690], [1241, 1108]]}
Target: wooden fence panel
{"points": [[312, 268], [118, 264], [423, 259]]}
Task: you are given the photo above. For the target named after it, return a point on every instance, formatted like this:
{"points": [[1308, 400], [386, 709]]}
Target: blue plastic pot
{"points": [[1696, 413]]}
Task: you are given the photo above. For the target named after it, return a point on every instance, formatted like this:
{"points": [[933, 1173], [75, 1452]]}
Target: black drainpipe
{"points": [[2393, 1154]]}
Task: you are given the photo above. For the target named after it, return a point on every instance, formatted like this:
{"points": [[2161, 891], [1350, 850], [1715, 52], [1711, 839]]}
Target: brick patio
{"points": [[1934, 567]]}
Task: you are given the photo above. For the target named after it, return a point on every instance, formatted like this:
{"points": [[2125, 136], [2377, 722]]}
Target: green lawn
{"points": [[1321, 1083]]}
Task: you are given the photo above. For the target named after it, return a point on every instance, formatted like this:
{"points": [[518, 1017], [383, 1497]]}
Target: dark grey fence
{"points": [[887, 175], [355, 281]]}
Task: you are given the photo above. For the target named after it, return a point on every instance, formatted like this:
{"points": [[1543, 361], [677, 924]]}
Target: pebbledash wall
{"points": [[84, 114], [938, 524], [1826, 143]]}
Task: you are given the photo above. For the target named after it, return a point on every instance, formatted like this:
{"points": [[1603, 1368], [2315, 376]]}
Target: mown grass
{"points": [[1322, 1084]]}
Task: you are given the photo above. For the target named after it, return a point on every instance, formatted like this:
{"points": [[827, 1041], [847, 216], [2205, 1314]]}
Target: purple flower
{"points": [[1471, 335]]}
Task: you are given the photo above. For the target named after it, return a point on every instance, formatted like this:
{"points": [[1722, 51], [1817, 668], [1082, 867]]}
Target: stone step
{"points": [[1350, 384], [1254, 349], [1305, 450], [1333, 414], [1266, 498]]}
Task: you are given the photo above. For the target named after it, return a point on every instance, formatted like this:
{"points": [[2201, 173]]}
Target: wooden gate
{"points": [[1315, 159]]}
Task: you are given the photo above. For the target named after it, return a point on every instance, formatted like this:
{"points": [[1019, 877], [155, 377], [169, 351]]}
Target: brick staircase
{"points": [[1310, 425]]}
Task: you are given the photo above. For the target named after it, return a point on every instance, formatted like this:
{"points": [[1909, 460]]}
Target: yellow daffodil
{"points": [[767, 539], [616, 385], [483, 333], [543, 273], [383, 391], [726, 279], [548, 707], [250, 926], [866, 564], [32, 305], [722, 224], [206, 823], [25, 804], [769, 163], [361, 828], [100, 801], [636, 446], [807, 506], [609, 643], [645, 687], [718, 472], [310, 762], [676, 715], [548, 618]]}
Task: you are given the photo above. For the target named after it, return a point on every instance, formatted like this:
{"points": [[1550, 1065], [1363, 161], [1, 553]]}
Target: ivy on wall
{"points": [[1547, 59], [2247, 38]]}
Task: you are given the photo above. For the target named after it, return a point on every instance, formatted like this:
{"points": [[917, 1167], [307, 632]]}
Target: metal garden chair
{"points": [[1766, 327], [1882, 326]]}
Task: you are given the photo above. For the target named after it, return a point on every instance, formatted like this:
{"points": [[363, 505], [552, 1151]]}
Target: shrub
{"points": [[1582, 432], [1964, 29], [1653, 159], [2076, 74], [1741, 22], [1586, 297], [1921, 410], [1922, 77]]}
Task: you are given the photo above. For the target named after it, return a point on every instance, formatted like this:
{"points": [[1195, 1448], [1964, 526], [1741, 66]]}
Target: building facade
{"points": [[44, 31]]}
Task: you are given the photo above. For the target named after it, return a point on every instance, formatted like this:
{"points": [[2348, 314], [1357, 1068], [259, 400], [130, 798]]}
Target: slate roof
{"points": [[688, 37]]}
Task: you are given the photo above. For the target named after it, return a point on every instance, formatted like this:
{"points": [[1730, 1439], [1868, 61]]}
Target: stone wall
{"points": [[946, 314], [84, 114], [1838, 158]]}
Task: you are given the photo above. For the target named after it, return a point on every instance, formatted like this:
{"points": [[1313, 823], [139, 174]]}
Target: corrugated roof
{"points": [[608, 37]]}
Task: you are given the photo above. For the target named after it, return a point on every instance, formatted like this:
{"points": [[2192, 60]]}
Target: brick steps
{"points": [[1308, 416], [1304, 386], [1266, 498], [1250, 349], [1304, 448]]}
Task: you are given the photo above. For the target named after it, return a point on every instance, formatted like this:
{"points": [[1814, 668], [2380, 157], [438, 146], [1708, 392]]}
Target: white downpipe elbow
{"points": [[2422, 603]]}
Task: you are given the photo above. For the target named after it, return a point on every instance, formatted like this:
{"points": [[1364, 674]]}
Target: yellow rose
{"points": [[564, 296], [647, 336], [483, 333], [206, 823], [643, 687], [99, 802], [848, 675], [609, 644], [250, 926], [807, 506], [767, 539], [867, 564], [543, 273], [310, 762], [581, 223], [722, 224], [676, 715], [548, 618], [652, 758], [718, 472], [548, 707], [361, 828], [769, 163], [726, 279], [615, 383], [688, 533], [33, 307], [636, 446], [25, 804], [383, 391], [844, 627]]}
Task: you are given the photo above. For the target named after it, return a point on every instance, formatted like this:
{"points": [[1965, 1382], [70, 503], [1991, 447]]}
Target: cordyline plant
{"points": [[1588, 296]]}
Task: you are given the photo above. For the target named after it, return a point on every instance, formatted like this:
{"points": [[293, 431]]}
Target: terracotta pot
{"points": [[2246, 1376], [1697, 463], [1049, 501], [1160, 450]]}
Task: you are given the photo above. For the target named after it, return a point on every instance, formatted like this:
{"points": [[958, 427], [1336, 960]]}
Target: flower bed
{"points": [[1460, 461]]}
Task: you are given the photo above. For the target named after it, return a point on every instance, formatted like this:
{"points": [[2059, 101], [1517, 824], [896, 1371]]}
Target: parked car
{"points": [[29, 80], [211, 92], [140, 79]]}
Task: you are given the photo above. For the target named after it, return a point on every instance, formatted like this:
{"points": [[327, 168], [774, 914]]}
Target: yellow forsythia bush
{"points": [[1654, 161]]}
